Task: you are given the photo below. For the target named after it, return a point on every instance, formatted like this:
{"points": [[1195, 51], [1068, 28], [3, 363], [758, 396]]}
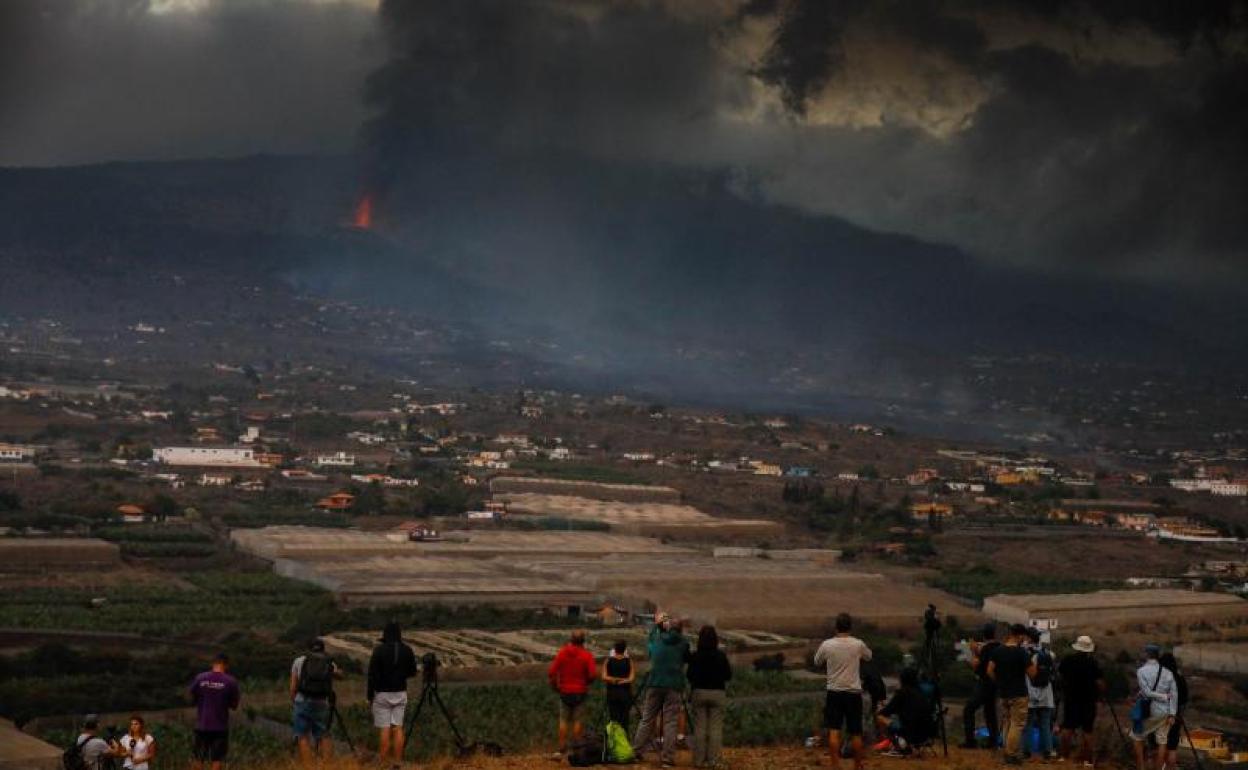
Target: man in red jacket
{"points": [[570, 675]]}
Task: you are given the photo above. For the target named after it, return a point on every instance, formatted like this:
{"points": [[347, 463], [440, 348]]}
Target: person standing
{"points": [[1083, 685], [1159, 693], [708, 674], [1040, 700], [570, 674], [1010, 666], [214, 693], [985, 694], [618, 674], [90, 746], [138, 745], [843, 655], [1171, 664], [390, 666], [311, 696], [668, 650]]}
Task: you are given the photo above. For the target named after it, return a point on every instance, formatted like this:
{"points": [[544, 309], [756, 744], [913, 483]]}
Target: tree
{"points": [[868, 472], [162, 507]]}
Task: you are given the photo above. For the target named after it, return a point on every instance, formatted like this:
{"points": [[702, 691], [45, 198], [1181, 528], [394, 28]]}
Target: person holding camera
{"points": [[668, 651], [570, 674], [1010, 667], [90, 751], [138, 746], [389, 668], [985, 695], [311, 690]]}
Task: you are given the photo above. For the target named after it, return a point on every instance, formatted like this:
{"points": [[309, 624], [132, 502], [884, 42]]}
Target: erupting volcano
{"points": [[362, 217]]}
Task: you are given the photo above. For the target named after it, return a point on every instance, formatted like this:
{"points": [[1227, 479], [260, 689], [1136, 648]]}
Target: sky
{"points": [[1105, 137]]}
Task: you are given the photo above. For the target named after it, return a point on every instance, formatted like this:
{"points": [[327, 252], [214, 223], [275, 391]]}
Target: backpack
{"points": [[1044, 670], [316, 677], [73, 759], [619, 747], [588, 750]]}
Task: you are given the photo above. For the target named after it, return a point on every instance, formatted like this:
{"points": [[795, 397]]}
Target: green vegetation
{"points": [[981, 580], [579, 472], [213, 601], [148, 533]]}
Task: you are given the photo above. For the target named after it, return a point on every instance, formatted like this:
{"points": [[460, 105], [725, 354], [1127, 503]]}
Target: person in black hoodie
{"points": [[708, 675], [391, 665]]}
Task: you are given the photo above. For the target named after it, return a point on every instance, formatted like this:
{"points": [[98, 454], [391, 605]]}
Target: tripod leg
{"points": [[459, 739], [1126, 744], [1195, 753], [411, 722]]}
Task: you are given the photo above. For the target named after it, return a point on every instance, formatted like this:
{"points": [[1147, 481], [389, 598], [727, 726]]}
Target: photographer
{"points": [[215, 694], [138, 746], [668, 651], [985, 695], [311, 688], [389, 668], [94, 752]]}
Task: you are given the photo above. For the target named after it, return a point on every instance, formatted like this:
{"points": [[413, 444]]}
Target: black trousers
{"points": [[618, 705], [985, 698]]}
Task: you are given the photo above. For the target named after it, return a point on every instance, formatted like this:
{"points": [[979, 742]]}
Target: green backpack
{"points": [[619, 748]]}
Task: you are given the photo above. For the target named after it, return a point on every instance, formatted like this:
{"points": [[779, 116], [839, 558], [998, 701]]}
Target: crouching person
{"points": [[908, 718]]}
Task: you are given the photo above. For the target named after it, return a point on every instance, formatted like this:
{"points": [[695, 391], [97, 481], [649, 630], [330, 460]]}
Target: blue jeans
{"points": [[1042, 719], [310, 719]]}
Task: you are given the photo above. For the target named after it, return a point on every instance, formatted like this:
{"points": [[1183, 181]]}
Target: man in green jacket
{"points": [[668, 652]]}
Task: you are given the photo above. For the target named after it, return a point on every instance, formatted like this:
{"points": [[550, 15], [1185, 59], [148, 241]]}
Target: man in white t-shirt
{"points": [[92, 746], [843, 655]]}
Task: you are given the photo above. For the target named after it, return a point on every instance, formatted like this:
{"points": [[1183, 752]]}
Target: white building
{"points": [[560, 453], [337, 459], [207, 456], [1229, 488], [17, 453]]}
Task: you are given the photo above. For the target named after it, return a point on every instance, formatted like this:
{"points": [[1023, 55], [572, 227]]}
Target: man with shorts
{"points": [[1083, 685], [1157, 687], [214, 693], [570, 675], [311, 693], [391, 665], [843, 655]]}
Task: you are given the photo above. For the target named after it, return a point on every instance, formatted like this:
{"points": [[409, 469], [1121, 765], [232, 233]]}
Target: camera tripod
{"points": [[429, 694], [334, 716], [929, 669]]}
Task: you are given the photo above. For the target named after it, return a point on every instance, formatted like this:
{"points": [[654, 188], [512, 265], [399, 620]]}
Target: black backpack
{"points": [[73, 759], [590, 749], [316, 677], [1044, 670]]}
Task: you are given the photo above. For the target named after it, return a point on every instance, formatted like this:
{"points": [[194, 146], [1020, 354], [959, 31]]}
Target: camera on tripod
{"points": [[429, 667]]}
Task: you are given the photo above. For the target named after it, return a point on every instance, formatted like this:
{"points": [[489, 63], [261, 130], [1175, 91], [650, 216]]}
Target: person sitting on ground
{"points": [[843, 655], [311, 692], [1010, 666], [1083, 685], [391, 665], [908, 717], [618, 674], [668, 650], [94, 750], [215, 694], [570, 674], [138, 746], [708, 674], [985, 694], [1171, 664], [1159, 692], [1040, 699]]}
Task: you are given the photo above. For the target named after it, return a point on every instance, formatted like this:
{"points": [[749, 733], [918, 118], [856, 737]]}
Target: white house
{"points": [[1237, 488], [207, 456], [17, 453], [337, 459]]}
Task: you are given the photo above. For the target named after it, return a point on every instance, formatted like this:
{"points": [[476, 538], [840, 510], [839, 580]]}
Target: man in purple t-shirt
{"points": [[214, 693]]}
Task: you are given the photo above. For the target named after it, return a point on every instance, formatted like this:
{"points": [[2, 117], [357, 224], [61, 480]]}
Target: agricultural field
{"points": [[469, 648]]}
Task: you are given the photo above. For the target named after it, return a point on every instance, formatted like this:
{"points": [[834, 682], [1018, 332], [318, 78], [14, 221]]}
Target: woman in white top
{"points": [[139, 746]]}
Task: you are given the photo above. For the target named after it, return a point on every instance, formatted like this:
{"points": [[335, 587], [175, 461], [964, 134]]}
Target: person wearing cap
{"points": [[668, 651], [311, 695], [985, 694], [92, 747], [1083, 685], [393, 662], [1010, 666], [842, 655], [1159, 691], [570, 674], [214, 693]]}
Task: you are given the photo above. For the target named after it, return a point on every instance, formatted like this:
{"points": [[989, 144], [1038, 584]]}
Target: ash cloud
{"points": [[84, 81]]}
